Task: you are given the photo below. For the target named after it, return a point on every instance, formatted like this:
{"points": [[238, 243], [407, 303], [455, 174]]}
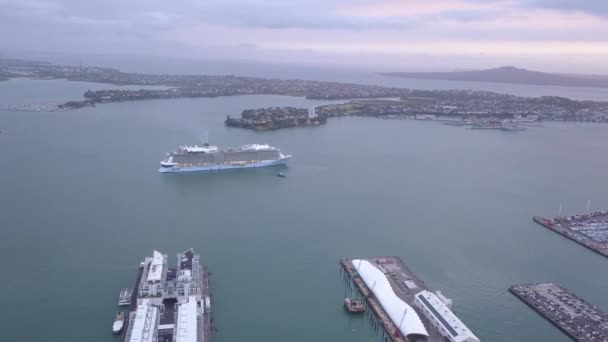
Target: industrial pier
{"points": [[589, 230], [572, 315], [394, 293]]}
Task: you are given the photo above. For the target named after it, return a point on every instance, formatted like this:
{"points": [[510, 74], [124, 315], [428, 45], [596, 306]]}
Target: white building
{"points": [[144, 323], [446, 322], [402, 314], [188, 275], [154, 276], [170, 300], [312, 114]]}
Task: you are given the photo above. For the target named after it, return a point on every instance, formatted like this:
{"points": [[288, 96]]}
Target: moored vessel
{"points": [[119, 323], [354, 305], [211, 157], [124, 299]]}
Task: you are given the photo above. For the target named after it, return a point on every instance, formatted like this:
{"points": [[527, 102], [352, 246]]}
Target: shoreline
{"points": [[474, 103]]}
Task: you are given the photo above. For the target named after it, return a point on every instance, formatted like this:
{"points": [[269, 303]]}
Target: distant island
{"points": [[365, 100], [510, 74]]}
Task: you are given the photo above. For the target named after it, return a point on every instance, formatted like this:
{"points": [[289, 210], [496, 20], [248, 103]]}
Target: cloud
{"points": [[356, 27], [314, 15], [594, 7]]}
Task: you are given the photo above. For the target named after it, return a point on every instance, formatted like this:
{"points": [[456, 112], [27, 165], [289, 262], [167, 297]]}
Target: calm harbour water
{"points": [[82, 204]]}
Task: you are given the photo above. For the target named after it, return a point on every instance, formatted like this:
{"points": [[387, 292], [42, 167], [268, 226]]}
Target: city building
{"points": [[153, 278], [188, 275], [171, 303]]}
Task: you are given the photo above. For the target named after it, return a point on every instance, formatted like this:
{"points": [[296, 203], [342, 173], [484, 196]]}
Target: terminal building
{"points": [[416, 313], [442, 318], [401, 313], [170, 302]]}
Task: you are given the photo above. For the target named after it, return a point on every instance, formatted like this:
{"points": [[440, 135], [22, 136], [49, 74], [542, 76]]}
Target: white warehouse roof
{"points": [[186, 321], [144, 323], [392, 304], [456, 330]]}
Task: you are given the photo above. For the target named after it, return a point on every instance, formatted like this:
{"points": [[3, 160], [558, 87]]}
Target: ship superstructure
{"points": [[211, 157]]}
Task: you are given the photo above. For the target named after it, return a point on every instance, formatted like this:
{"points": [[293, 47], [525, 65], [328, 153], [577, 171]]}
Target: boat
{"points": [[124, 299], [455, 123], [354, 305], [486, 125], [211, 157], [281, 174], [511, 127], [119, 323]]}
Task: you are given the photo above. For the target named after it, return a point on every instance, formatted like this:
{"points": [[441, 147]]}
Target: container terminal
{"points": [[589, 229], [402, 304], [169, 304], [575, 317]]}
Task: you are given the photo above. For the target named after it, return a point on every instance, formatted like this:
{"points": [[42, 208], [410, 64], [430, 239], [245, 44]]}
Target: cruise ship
{"points": [[211, 157]]}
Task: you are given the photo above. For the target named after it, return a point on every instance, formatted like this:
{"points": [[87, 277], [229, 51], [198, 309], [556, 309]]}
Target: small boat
{"points": [[124, 299], [354, 305], [511, 127], [281, 174], [119, 323]]}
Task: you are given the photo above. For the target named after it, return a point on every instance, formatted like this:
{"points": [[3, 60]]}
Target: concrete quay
{"points": [[593, 239], [579, 320]]}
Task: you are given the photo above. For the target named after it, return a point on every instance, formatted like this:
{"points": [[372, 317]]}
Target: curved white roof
{"points": [[392, 304]]}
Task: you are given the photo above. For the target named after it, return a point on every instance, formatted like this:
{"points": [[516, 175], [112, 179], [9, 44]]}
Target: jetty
{"points": [[401, 303], [589, 230], [581, 321]]}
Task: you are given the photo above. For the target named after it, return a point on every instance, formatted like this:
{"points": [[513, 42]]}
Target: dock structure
{"points": [[170, 304], [589, 230], [402, 303], [130, 316], [207, 328], [581, 321]]}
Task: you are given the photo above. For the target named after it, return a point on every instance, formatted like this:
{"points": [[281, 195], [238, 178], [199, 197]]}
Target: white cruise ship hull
{"points": [[217, 167]]}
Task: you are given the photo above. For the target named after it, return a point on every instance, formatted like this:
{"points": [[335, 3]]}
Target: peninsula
{"points": [[455, 107], [510, 74]]}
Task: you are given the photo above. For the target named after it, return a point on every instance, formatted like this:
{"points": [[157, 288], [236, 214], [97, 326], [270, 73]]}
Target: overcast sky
{"points": [[559, 35]]}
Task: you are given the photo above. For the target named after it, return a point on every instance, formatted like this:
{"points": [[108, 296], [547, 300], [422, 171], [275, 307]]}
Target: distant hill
{"points": [[510, 74]]}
